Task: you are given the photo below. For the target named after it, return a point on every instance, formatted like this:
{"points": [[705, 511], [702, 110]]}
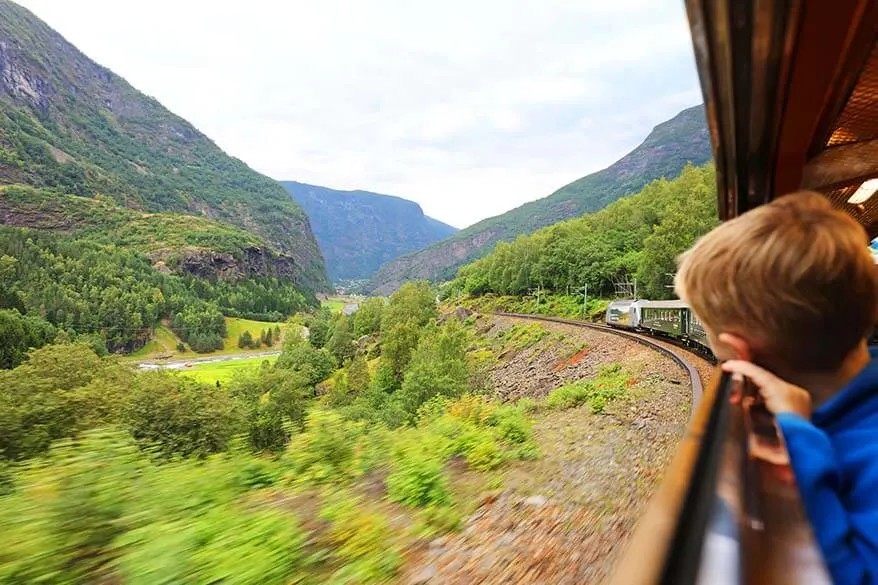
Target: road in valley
{"points": [[182, 364]]}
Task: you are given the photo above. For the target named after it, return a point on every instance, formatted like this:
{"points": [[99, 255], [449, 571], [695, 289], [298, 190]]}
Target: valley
{"points": [[195, 388]]}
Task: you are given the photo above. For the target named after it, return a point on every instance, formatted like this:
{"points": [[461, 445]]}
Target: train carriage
{"points": [[664, 317]]}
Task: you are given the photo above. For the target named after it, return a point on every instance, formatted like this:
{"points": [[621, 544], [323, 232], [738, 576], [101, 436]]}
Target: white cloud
{"points": [[468, 107]]}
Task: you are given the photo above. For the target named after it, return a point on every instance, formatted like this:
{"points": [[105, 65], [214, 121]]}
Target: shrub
{"points": [[179, 416], [59, 391], [361, 541], [608, 385], [484, 454], [273, 402], [328, 450], [416, 477]]}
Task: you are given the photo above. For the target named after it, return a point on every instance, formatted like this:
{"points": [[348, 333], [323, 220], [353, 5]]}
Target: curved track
{"points": [[680, 360]]}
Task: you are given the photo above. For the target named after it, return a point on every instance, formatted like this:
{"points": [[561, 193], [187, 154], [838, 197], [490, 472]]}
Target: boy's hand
{"points": [[780, 396]]}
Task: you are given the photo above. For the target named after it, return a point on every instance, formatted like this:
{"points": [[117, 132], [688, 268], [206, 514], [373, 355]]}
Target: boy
{"points": [[788, 293]]}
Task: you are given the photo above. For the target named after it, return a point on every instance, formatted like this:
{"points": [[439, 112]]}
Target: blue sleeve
{"points": [[818, 477]]}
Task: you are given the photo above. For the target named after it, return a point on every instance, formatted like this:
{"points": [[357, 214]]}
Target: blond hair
{"points": [[794, 276]]}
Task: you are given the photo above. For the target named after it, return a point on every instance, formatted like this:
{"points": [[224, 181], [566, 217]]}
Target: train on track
{"points": [[671, 319]]}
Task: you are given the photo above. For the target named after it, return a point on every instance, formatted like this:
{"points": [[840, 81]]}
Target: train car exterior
{"points": [[665, 317], [623, 313], [696, 332]]}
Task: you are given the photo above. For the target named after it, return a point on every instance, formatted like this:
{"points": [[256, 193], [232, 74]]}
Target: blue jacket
{"points": [[835, 460]]}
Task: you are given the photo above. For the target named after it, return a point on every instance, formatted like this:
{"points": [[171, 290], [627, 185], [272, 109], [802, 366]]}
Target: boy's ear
{"points": [[740, 347]]}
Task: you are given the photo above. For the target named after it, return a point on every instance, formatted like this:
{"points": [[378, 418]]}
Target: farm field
{"points": [[223, 372]]}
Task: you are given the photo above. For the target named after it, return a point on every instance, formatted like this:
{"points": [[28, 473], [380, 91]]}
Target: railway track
{"points": [[693, 373]]}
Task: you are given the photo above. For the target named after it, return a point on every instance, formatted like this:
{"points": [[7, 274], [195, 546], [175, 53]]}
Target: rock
{"points": [[536, 501], [424, 575]]}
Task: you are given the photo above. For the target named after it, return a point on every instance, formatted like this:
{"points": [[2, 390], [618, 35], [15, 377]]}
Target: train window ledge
{"points": [[728, 510]]}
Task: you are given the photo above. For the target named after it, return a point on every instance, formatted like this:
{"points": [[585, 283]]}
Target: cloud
{"points": [[469, 108]]}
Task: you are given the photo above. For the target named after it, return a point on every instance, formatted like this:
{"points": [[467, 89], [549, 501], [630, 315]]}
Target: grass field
{"points": [[335, 305], [235, 327], [164, 344], [222, 372]]}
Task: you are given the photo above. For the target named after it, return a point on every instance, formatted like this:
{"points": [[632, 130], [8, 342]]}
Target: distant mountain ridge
{"points": [[358, 231], [664, 153], [70, 127]]}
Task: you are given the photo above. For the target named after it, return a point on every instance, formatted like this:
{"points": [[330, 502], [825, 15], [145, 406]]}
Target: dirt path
{"points": [[565, 517]]}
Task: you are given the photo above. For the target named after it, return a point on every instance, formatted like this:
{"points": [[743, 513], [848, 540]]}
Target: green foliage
{"points": [[610, 384], [328, 450], [273, 401], [178, 416], [397, 343], [99, 511], [414, 302], [300, 356], [361, 542], [438, 367], [417, 476], [203, 327], [59, 391], [19, 333], [341, 343], [367, 319], [638, 236]]}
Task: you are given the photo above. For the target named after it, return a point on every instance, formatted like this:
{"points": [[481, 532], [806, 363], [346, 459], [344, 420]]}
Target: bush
{"points": [[361, 542], [273, 402], [58, 392], [416, 477], [179, 416], [608, 385], [299, 356], [438, 367], [328, 450]]}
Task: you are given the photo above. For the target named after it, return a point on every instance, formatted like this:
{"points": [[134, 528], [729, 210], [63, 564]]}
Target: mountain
{"points": [[358, 231], [665, 152], [70, 127]]}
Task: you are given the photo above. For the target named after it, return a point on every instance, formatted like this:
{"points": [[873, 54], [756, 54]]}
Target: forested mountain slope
{"points": [[70, 126], [358, 231], [636, 237], [664, 153]]}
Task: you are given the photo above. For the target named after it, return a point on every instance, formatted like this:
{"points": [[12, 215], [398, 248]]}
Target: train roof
{"points": [[789, 89], [675, 304]]}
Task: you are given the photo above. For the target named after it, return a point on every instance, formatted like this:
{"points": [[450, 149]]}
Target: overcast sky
{"points": [[469, 107]]}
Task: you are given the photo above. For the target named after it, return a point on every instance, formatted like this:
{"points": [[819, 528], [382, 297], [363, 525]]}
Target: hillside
{"points": [[70, 126], [358, 231], [668, 148], [639, 237]]}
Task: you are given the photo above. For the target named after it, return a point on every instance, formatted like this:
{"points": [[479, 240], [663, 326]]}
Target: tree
{"points": [[299, 356], [274, 403], [367, 319], [358, 374], [414, 302], [341, 343], [180, 416], [19, 333], [438, 368], [397, 344], [57, 392]]}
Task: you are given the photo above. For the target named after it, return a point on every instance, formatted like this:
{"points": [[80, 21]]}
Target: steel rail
{"points": [[695, 378]]}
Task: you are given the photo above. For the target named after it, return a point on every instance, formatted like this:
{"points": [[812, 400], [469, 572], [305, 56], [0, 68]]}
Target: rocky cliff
{"points": [[358, 231]]}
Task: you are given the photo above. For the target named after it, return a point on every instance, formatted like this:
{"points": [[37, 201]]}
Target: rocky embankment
{"points": [[565, 518]]}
